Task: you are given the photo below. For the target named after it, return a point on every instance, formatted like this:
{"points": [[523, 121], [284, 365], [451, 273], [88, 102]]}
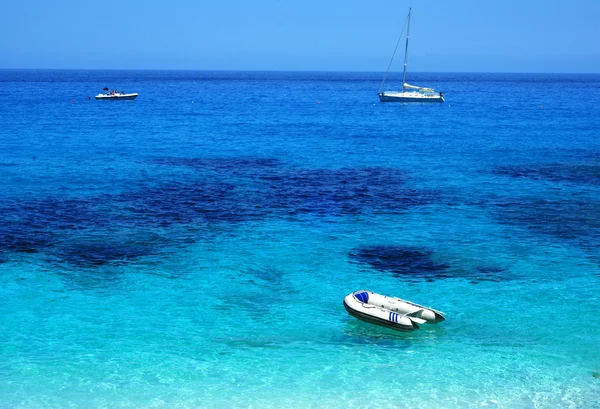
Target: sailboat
{"points": [[409, 93]]}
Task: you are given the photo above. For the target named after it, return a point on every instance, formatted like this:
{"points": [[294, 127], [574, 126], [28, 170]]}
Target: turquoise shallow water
{"points": [[192, 248]]}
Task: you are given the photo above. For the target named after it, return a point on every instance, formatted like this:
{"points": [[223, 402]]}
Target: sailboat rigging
{"points": [[414, 93]]}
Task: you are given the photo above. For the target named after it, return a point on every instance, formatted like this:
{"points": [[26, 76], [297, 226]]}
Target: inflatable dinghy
{"points": [[390, 312]]}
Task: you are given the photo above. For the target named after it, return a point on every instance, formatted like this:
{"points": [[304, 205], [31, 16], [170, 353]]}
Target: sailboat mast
{"points": [[406, 50]]}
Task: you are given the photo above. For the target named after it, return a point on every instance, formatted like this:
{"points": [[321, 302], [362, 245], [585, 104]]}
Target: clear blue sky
{"points": [[346, 35]]}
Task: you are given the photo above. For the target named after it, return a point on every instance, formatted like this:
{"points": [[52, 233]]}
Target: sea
{"points": [[192, 248]]}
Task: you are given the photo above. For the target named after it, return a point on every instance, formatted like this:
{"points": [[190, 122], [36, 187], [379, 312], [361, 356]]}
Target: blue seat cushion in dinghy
{"points": [[362, 297]]}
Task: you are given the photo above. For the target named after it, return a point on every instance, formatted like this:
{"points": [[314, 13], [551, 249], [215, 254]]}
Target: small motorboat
{"points": [[116, 96], [390, 312]]}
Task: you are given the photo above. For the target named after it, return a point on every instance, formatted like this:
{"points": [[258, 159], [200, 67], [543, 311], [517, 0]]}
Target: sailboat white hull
{"points": [[409, 97]]}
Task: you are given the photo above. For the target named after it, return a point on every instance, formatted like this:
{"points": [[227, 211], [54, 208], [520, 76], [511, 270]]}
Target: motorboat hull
{"points": [[389, 312], [126, 97], [409, 97]]}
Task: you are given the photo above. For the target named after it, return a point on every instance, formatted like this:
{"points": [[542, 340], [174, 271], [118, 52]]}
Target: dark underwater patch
{"points": [[488, 273], [401, 261], [33, 225], [344, 191], [102, 248], [81, 232], [46, 214], [78, 232], [202, 201], [283, 191], [234, 165], [419, 263], [555, 172], [573, 221], [244, 189], [97, 254], [251, 286], [23, 242]]}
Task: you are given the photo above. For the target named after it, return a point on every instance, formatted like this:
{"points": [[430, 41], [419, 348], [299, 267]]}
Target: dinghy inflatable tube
{"points": [[389, 312]]}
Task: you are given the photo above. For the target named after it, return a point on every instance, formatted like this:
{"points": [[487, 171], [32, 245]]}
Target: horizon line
{"points": [[295, 71]]}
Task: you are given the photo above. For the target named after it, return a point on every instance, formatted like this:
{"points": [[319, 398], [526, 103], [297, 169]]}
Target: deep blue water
{"points": [[192, 248]]}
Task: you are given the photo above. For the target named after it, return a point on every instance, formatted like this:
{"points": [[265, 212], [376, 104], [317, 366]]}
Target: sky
{"points": [[308, 35]]}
